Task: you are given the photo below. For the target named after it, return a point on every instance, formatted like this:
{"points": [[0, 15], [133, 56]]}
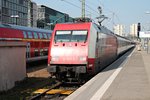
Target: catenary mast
{"points": [[83, 8]]}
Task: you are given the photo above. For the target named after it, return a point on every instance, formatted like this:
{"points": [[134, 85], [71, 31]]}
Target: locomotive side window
{"points": [[35, 35], [97, 38], [24, 34], [99, 35], [63, 36], [30, 35], [79, 36]]}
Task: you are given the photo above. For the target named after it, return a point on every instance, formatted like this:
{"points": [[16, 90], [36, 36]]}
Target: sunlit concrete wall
{"points": [[12, 64]]}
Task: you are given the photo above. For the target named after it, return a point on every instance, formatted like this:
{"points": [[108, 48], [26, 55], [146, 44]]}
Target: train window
{"points": [[99, 35], [45, 36], [45, 52], [41, 35], [35, 35], [49, 35], [36, 52], [79, 36], [24, 34], [63, 36], [41, 52], [30, 35]]}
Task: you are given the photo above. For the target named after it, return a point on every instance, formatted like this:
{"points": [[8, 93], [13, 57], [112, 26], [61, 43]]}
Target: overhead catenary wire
{"points": [[79, 7], [114, 15], [101, 4], [94, 12], [90, 7]]}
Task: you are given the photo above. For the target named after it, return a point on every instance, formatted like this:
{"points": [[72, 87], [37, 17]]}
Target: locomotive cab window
{"points": [[63, 36], [79, 36], [71, 36]]}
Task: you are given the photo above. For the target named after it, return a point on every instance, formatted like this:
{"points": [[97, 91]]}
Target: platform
{"points": [[128, 78]]}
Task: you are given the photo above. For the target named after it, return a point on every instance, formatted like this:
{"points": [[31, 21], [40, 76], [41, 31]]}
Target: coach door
{"points": [[28, 50]]}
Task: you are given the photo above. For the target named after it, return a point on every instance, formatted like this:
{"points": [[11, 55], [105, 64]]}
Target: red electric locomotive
{"points": [[80, 49], [37, 39]]}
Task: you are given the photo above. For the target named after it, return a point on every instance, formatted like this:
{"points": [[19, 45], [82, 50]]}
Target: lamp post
{"points": [[15, 17]]}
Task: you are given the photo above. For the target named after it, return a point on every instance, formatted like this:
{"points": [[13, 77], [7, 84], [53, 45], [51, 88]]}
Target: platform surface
{"points": [[128, 78]]}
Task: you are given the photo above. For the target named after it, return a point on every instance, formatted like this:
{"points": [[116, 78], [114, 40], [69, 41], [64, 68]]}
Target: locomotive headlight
{"points": [[82, 58], [55, 58]]}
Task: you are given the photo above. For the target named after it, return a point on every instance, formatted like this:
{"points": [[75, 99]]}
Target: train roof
{"points": [[103, 29], [107, 31], [99, 28], [24, 28], [118, 36]]}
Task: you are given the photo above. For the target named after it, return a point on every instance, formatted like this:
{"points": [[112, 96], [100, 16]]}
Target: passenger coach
{"points": [[37, 39]]}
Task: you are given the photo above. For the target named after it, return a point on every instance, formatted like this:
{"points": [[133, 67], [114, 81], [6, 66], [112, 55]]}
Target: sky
{"points": [[125, 12]]}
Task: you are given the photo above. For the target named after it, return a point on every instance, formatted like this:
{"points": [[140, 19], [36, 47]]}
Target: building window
{"points": [[21, 1], [5, 11]]}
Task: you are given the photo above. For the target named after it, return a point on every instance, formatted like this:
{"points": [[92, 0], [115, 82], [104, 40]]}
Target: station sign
{"points": [[144, 34]]}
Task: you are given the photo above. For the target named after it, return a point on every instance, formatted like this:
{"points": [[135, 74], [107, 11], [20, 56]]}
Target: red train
{"points": [[37, 39], [81, 49]]}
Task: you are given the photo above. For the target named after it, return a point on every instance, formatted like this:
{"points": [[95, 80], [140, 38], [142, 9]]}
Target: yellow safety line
{"points": [[53, 91], [39, 91], [59, 91], [67, 92]]}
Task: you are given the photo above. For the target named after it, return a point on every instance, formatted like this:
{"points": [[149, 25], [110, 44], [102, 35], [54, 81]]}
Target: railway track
{"points": [[58, 91], [54, 91]]}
